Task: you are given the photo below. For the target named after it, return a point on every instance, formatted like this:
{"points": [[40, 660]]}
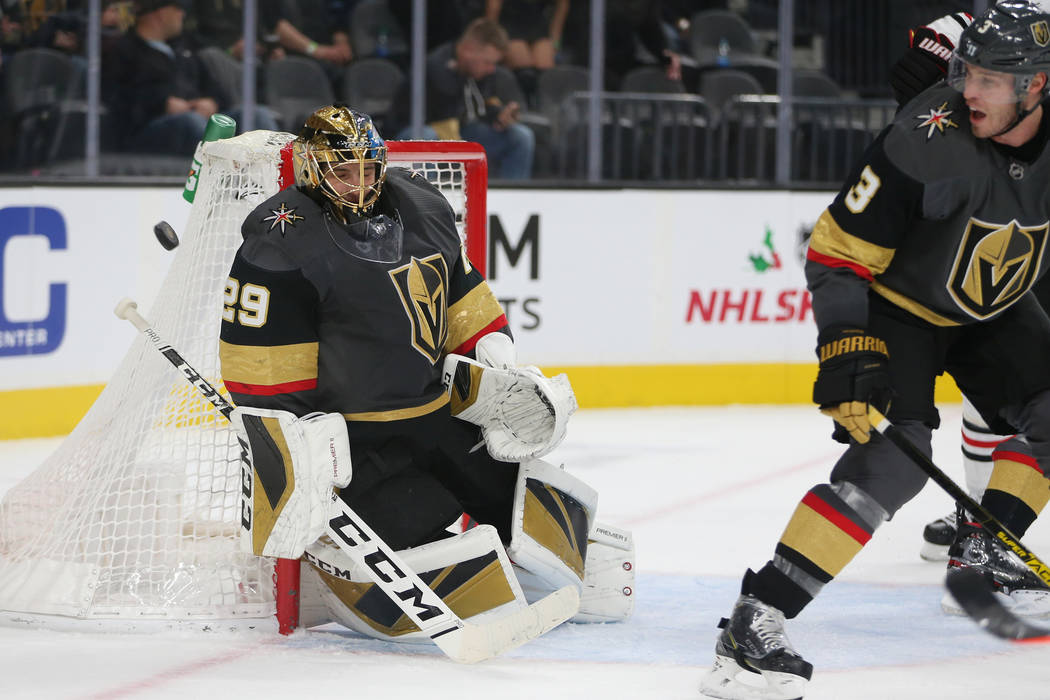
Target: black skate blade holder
{"points": [[969, 588]]}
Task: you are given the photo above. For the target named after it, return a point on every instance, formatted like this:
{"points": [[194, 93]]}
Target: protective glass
{"points": [[993, 87], [369, 238]]}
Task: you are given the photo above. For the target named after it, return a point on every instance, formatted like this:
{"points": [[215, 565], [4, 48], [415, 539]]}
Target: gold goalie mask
{"points": [[340, 152]]}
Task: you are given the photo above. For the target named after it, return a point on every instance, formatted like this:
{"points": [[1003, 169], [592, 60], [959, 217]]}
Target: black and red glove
{"points": [[926, 60]]}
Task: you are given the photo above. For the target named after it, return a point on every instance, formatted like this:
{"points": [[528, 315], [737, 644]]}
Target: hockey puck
{"points": [[166, 235]]}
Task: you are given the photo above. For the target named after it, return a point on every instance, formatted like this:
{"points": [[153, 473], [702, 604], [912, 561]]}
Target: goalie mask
{"points": [[340, 153]]}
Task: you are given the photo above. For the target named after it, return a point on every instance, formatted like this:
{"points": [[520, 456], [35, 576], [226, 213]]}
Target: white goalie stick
{"points": [[460, 641], [970, 589]]}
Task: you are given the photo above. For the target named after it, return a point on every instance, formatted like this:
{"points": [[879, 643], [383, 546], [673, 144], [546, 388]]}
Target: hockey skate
{"points": [[938, 536], [1018, 588], [754, 659]]}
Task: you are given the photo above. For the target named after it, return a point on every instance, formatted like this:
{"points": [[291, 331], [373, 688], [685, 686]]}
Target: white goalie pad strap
{"points": [[522, 414], [295, 463], [608, 583], [553, 514], [484, 585]]}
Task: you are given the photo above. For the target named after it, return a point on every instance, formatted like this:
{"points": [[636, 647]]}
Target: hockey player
{"points": [[923, 65], [351, 295], [922, 264]]}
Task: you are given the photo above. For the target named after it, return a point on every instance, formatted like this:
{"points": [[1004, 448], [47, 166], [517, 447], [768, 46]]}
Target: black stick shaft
{"points": [[983, 516]]}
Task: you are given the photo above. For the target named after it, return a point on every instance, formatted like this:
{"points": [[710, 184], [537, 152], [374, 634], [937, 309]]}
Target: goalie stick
{"points": [[971, 590], [460, 641]]}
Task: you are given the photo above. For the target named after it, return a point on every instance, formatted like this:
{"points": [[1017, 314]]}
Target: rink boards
{"points": [[644, 297]]}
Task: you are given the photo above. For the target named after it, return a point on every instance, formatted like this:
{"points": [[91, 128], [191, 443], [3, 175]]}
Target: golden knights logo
{"points": [[1040, 32], [423, 286], [995, 265]]}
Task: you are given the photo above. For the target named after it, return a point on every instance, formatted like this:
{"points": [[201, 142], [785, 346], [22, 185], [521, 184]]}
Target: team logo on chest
{"points": [[282, 217], [995, 265], [423, 286]]}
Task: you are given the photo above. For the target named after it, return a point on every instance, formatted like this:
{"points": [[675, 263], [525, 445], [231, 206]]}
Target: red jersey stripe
{"points": [[829, 261], [271, 389]]}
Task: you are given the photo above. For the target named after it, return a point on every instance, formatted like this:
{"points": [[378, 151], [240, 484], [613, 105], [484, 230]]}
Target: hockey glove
{"points": [[854, 371], [926, 61]]}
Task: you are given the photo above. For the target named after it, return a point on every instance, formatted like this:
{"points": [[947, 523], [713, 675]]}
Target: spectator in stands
{"points": [[461, 102], [311, 28], [10, 30], [634, 36], [442, 27], [155, 83], [221, 23], [534, 28]]}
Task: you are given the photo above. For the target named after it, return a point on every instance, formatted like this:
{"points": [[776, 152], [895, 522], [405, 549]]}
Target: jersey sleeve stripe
{"points": [[270, 389], [476, 313], [268, 365], [833, 242], [829, 261], [469, 344]]}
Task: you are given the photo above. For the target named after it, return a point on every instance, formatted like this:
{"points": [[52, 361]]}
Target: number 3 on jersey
{"points": [[860, 195], [253, 300]]}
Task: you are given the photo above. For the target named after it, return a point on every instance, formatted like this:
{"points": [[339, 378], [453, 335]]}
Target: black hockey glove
{"points": [[854, 372], [926, 60]]}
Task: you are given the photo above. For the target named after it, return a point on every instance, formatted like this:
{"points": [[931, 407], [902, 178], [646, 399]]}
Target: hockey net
{"points": [[135, 516]]}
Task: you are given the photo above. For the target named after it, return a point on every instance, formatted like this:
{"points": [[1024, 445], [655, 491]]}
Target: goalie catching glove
{"points": [[290, 467], [522, 413], [854, 372]]}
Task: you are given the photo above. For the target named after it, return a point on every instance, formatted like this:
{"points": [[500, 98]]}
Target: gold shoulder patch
{"points": [[937, 119], [282, 216]]}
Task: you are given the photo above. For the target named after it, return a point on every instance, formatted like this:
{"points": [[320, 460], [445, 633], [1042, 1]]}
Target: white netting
{"points": [[135, 515]]}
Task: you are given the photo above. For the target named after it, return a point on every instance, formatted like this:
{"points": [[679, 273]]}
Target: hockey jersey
{"points": [[947, 226], [307, 326]]}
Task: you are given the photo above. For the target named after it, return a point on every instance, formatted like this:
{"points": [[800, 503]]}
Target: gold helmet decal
{"points": [[995, 265], [1040, 32], [340, 152]]}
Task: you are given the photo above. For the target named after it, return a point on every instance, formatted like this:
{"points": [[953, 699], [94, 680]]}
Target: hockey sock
{"points": [[1017, 491]]}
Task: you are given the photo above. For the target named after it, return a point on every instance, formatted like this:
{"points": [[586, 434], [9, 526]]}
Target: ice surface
{"points": [[707, 492]]}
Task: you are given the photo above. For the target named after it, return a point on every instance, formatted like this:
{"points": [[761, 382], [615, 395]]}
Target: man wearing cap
{"points": [[155, 86]]}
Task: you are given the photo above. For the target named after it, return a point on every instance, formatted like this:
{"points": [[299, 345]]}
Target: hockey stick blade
{"points": [[978, 601], [974, 595], [460, 641]]}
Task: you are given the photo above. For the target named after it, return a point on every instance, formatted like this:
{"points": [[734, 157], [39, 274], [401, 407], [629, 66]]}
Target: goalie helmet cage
{"points": [[135, 516]]}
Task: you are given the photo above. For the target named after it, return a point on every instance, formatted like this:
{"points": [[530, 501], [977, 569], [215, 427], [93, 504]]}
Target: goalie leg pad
{"points": [[470, 572], [290, 466], [553, 514], [608, 582]]}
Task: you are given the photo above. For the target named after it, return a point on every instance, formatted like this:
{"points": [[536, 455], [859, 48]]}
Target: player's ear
{"points": [[1038, 84]]}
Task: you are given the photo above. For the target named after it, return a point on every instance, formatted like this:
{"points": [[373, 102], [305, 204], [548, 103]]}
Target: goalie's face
{"points": [[352, 183]]}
